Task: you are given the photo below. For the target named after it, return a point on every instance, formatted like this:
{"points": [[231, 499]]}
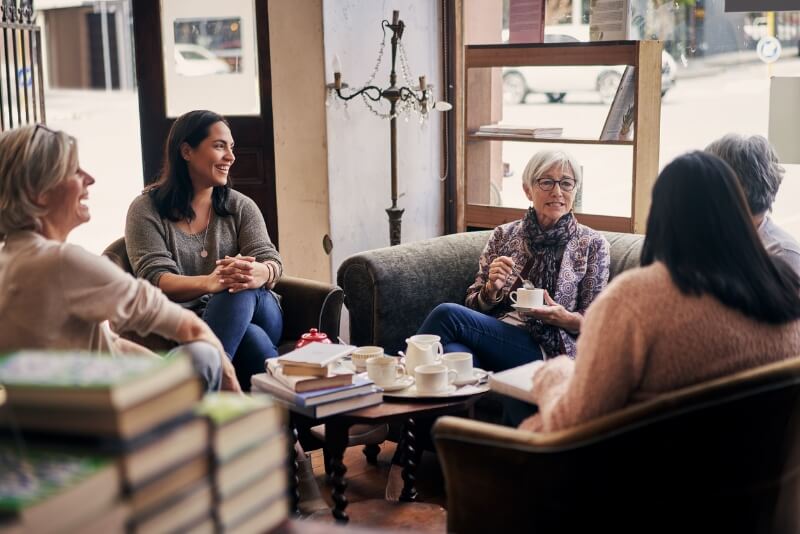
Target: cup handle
{"points": [[513, 296], [452, 375], [400, 370], [439, 351]]}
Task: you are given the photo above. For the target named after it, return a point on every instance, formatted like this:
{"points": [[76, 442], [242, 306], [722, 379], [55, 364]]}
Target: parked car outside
{"points": [[556, 82], [195, 60]]}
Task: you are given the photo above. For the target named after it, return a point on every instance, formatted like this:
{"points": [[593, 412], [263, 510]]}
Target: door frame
{"points": [[153, 120]]}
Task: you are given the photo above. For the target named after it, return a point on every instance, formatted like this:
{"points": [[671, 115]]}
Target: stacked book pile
{"points": [[96, 444], [310, 381], [509, 129], [249, 454]]}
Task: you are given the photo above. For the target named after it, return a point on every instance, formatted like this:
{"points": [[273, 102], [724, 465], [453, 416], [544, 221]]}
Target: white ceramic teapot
{"points": [[422, 349]]}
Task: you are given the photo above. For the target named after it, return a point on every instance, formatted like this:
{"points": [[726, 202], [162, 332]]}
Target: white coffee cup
{"points": [[360, 356], [461, 363], [385, 370], [433, 378], [527, 298]]}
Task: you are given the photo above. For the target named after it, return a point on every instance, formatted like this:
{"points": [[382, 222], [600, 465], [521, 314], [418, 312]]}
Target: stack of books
{"points": [[249, 453], [96, 444], [309, 381], [510, 129]]}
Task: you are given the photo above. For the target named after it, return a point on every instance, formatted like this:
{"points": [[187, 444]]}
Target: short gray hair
{"points": [[544, 159], [32, 161], [756, 165]]}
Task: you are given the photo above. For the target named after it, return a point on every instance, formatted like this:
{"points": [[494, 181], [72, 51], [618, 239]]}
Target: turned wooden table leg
{"points": [[336, 436], [294, 482], [371, 451], [409, 493]]}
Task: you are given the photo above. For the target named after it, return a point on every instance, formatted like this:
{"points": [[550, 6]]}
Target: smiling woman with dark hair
{"points": [[206, 245], [709, 301]]}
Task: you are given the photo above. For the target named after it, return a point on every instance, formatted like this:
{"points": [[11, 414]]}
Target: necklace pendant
{"points": [[204, 253]]}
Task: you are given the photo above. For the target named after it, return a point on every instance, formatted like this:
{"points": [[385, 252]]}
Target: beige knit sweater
{"points": [[57, 296], [641, 338]]}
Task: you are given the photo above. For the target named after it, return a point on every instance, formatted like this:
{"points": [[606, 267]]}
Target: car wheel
{"points": [[514, 88], [555, 98], [607, 84]]}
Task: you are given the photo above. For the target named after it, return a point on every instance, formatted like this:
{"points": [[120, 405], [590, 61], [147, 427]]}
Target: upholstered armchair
{"points": [[306, 304], [722, 456]]}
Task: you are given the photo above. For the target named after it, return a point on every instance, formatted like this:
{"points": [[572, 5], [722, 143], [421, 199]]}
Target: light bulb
{"points": [[336, 64], [441, 105]]}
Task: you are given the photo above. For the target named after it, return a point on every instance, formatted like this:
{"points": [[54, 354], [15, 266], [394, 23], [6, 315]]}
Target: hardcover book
{"points": [[82, 380], [317, 354], [51, 491]]}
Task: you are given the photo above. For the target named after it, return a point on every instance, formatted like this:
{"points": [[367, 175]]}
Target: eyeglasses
{"points": [[40, 126], [547, 184]]}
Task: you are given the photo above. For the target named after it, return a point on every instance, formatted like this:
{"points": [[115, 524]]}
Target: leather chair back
{"points": [[723, 456]]}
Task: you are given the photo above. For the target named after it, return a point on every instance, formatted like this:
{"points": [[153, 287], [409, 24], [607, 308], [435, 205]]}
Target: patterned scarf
{"points": [[547, 247]]}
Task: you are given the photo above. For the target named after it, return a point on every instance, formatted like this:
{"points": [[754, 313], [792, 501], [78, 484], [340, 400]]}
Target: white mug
{"points": [[422, 349], [433, 378], [385, 370], [461, 363], [527, 298], [360, 356]]}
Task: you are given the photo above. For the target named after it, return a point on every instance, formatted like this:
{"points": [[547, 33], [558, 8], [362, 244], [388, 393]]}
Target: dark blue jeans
{"points": [[249, 325], [495, 345]]}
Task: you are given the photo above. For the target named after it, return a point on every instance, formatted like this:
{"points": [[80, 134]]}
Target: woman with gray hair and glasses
{"points": [[549, 249], [59, 296], [756, 166]]}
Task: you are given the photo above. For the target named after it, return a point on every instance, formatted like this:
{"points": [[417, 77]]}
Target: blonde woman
{"points": [[59, 296]]}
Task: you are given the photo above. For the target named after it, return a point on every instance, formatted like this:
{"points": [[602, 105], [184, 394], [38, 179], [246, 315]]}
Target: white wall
{"points": [[358, 141]]}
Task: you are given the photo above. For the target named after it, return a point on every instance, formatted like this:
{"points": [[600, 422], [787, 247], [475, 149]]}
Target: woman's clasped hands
{"points": [[239, 273]]}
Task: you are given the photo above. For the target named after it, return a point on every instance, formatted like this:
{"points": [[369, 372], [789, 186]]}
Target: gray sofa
{"points": [[390, 291]]}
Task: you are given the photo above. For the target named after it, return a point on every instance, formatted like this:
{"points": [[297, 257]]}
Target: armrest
{"points": [[390, 291], [309, 304]]}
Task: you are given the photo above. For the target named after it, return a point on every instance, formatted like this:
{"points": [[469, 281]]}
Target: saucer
{"points": [[528, 308], [477, 375], [402, 383]]}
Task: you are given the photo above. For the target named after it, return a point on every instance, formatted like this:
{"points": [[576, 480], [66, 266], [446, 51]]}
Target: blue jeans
{"points": [[205, 360], [249, 325], [495, 345]]}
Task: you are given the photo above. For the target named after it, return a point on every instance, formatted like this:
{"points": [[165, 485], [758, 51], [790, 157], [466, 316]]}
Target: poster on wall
{"points": [[210, 59], [732, 6], [609, 20]]}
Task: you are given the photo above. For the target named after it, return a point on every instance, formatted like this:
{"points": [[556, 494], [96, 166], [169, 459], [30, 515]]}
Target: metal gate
{"points": [[21, 82]]}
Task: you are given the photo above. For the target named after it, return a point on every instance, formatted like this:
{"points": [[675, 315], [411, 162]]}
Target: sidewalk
{"points": [[699, 67]]}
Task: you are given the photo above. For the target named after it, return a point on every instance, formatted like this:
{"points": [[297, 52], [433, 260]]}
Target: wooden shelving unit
{"points": [[644, 55]]}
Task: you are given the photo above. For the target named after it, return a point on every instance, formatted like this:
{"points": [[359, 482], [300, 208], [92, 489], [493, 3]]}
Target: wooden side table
{"points": [[336, 433]]}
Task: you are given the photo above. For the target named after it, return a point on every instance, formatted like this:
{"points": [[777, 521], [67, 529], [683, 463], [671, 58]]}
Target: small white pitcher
{"points": [[422, 349]]}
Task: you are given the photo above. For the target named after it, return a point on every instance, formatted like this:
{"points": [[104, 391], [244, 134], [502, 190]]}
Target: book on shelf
{"points": [[270, 384], [316, 354], [238, 422], [359, 396], [515, 382], [46, 490], [609, 20], [511, 129], [82, 380], [619, 122], [301, 384]]}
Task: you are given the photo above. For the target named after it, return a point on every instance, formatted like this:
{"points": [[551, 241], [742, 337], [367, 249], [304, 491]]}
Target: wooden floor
{"points": [[365, 493]]}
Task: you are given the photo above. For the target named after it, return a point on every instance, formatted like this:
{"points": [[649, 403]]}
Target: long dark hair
{"points": [[700, 227], [172, 193]]}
